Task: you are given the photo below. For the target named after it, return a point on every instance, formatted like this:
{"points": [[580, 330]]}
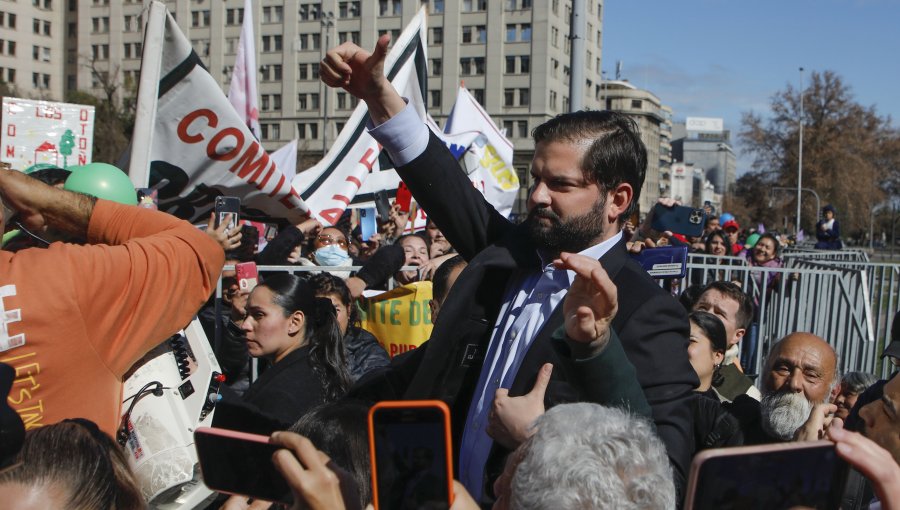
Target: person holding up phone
{"points": [[299, 336]]}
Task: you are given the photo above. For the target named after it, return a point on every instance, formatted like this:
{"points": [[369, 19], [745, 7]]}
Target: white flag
{"points": [[488, 160], [350, 171], [285, 159], [242, 94], [202, 148]]}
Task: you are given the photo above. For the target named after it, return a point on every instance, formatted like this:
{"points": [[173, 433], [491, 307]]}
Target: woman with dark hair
{"points": [[364, 353], [70, 464], [717, 245], [708, 343], [298, 334], [765, 254]]}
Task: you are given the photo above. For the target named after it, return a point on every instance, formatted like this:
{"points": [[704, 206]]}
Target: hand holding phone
{"points": [[678, 219], [412, 461], [224, 207], [247, 276]]}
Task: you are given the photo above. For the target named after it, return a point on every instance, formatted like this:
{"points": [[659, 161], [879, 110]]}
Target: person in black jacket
{"points": [[364, 353], [588, 171]]}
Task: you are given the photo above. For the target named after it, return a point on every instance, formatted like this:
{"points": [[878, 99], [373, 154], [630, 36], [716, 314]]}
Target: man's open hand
{"points": [[591, 303], [511, 418]]}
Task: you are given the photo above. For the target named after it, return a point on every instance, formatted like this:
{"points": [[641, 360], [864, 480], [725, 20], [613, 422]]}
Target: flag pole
{"points": [[148, 90]]}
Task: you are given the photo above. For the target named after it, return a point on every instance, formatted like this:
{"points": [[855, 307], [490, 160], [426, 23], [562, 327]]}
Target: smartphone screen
{"points": [[768, 476], [411, 457], [367, 223], [226, 206], [239, 463]]}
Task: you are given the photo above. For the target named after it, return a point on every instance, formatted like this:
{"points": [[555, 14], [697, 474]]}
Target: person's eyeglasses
{"points": [[327, 240]]}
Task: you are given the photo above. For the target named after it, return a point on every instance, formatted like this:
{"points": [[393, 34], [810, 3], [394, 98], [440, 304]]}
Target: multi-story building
{"points": [[655, 125], [32, 47], [706, 143], [513, 55]]}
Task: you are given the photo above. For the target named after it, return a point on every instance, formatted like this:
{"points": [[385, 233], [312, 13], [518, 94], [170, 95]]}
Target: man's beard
{"points": [[572, 235], [782, 413]]}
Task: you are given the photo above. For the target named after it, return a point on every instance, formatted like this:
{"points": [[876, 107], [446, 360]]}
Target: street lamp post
{"points": [[800, 157], [327, 22]]}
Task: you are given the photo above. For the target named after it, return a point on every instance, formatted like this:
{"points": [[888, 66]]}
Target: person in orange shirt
{"points": [[73, 318]]}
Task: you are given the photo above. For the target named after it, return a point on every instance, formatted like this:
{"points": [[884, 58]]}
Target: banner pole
{"points": [[148, 90]]}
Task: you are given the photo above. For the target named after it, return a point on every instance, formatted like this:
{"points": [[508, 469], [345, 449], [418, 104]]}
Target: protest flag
{"points": [[351, 170], [242, 93], [198, 146], [488, 159]]}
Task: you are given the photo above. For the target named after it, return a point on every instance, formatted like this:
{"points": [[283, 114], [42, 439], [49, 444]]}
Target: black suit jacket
{"points": [[651, 325]]}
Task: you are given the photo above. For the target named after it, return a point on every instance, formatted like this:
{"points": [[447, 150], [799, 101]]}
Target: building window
{"points": [[636, 104], [435, 98], [200, 18], [471, 66], [310, 12], [510, 65], [554, 68], [99, 25], [352, 36], [524, 97], [523, 128], [437, 6], [348, 9], [270, 131], [390, 7], [307, 131], [476, 34], [234, 16], [437, 35], [509, 97], [435, 66], [525, 64], [474, 5], [273, 14], [554, 37], [478, 94], [271, 43], [270, 102], [270, 72], [525, 32], [553, 99]]}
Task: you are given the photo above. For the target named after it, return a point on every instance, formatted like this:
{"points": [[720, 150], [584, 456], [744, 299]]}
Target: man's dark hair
{"points": [[616, 155], [745, 303], [52, 176], [439, 288]]}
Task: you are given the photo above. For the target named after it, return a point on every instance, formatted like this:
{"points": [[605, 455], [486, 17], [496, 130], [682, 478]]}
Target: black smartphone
{"points": [[239, 463], [226, 206], [678, 219], [412, 463], [664, 262], [781, 475], [382, 205]]}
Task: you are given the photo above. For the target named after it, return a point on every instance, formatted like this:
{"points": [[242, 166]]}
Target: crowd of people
{"points": [[573, 379]]}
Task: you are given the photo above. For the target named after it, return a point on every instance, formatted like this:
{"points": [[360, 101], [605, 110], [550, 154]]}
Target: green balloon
{"points": [[751, 240], [102, 180]]}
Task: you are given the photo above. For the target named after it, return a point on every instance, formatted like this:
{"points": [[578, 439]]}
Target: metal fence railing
{"points": [[831, 301]]}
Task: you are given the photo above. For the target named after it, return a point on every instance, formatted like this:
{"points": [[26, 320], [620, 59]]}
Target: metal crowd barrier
{"points": [[845, 255], [830, 301]]}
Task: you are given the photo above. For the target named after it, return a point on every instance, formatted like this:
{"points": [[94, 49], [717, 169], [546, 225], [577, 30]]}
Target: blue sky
{"points": [[719, 58]]}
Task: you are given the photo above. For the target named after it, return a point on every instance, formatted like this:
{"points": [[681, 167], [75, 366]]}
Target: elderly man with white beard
{"points": [[799, 374]]}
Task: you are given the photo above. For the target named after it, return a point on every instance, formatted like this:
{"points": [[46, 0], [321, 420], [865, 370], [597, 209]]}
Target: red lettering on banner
{"points": [[268, 176], [83, 115], [278, 186], [286, 200], [355, 181], [84, 129], [211, 120], [11, 130], [212, 146], [341, 198], [82, 144], [245, 164], [400, 348], [82, 159], [366, 161], [331, 215], [10, 151]]}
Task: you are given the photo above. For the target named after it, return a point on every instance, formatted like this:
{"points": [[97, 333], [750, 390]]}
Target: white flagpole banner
{"points": [[285, 159], [201, 147], [351, 170], [488, 160], [242, 93]]}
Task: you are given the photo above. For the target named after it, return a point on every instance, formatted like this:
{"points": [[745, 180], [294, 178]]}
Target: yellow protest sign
{"points": [[400, 319]]}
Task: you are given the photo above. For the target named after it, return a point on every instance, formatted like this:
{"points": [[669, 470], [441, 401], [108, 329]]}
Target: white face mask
{"points": [[331, 255]]}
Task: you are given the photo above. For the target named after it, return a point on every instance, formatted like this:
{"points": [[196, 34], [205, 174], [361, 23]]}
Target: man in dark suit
{"points": [[504, 317]]}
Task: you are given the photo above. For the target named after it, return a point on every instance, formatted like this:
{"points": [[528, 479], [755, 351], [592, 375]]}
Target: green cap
{"points": [[751, 240], [102, 180]]}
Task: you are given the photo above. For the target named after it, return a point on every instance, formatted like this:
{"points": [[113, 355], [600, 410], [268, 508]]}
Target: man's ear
{"points": [[739, 333], [618, 200]]}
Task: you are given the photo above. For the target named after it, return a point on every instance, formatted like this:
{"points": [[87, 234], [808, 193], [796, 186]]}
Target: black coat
{"points": [[651, 325]]}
